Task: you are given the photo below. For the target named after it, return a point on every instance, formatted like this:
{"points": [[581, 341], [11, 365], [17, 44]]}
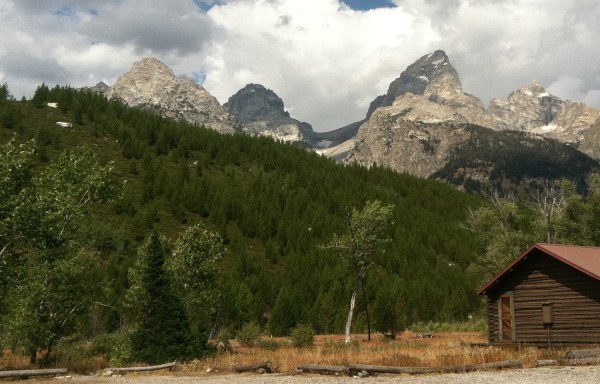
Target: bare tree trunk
{"points": [[32, 356], [364, 291], [351, 311]]}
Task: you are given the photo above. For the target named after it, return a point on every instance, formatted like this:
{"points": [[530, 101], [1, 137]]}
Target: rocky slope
{"points": [[430, 90], [404, 129], [261, 112], [472, 157], [152, 85], [533, 109], [419, 126], [424, 125]]}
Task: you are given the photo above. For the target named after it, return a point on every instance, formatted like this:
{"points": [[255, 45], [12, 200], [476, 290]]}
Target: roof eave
{"points": [[495, 279]]}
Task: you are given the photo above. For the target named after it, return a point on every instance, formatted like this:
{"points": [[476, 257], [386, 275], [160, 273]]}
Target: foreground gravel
{"points": [[552, 375]]}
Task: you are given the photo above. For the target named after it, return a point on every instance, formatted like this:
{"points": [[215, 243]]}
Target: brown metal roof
{"points": [[585, 259]]}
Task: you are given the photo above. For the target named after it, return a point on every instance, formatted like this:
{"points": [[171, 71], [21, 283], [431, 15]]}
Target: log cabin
{"points": [[548, 296]]}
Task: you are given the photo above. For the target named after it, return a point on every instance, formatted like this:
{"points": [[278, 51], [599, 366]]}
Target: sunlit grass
{"points": [[443, 349], [407, 350]]}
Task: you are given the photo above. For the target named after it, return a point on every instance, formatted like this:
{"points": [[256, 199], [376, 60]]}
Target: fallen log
{"points": [[323, 369], [546, 363], [429, 370], [33, 373], [141, 369], [582, 361], [583, 353], [264, 367]]}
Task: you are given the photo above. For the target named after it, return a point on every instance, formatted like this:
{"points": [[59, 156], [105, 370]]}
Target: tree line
{"points": [[266, 210]]}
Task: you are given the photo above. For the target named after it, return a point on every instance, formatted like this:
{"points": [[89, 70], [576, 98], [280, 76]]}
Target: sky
{"points": [[326, 59]]}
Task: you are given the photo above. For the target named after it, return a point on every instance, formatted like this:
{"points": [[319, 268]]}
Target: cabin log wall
{"points": [[575, 298]]}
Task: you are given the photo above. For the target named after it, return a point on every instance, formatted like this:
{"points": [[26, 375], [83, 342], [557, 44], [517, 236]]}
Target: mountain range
{"points": [[425, 124]]}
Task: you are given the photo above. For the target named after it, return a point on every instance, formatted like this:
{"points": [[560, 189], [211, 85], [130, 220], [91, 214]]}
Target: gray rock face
{"points": [[152, 85], [414, 126], [262, 112], [432, 76], [255, 102], [534, 110], [415, 117], [416, 147], [430, 91], [101, 87]]}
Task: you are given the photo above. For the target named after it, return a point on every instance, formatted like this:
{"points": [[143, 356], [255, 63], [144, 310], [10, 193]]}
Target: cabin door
{"points": [[507, 319]]}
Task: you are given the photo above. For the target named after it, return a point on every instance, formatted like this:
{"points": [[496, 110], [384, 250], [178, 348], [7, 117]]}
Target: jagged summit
{"points": [[431, 72], [426, 120], [421, 74], [153, 85], [533, 109], [262, 112], [254, 102], [535, 88]]}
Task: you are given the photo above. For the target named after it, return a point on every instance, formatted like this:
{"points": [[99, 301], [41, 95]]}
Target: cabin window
{"points": [[506, 317]]}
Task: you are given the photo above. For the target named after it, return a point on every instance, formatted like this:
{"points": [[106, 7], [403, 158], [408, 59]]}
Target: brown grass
{"points": [[11, 361], [444, 349]]}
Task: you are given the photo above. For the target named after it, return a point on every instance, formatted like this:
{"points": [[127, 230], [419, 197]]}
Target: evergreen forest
{"points": [[183, 228]]}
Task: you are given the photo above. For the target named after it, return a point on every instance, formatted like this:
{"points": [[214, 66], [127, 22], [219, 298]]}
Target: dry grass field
{"points": [[443, 349]]}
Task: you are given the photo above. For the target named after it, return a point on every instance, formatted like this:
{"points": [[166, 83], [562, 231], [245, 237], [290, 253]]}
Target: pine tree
{"points": [[161, 330]]}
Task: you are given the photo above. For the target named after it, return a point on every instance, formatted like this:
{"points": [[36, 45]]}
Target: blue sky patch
{"points": [[364, 5], [65, 11], [206, 5], [198, 77]]}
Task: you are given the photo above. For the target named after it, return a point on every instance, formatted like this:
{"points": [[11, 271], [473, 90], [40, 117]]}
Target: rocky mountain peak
{"points": [[530, 109], [100, 87], [431, 74], [262, 112], [254, 102], [148, 84], [151, 84], [430, 91], [535, 88], [422, 73]]}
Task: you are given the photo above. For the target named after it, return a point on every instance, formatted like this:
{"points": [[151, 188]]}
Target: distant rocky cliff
{"points": [[150, 84], [261, 112], [421, 125], [533, 109], [425, 120], [430, 91]]}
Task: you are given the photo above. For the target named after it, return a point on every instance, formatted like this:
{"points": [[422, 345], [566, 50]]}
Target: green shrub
{"points": [[248, 335], [303, 336], [269, 344], [478, 325], [115, 346]]}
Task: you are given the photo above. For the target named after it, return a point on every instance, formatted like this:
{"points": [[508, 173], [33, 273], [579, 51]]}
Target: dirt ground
{"points": [[551, 375]]}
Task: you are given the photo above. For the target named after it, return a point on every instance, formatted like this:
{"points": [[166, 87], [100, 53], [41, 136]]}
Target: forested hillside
{"points": [[513, 161], [275, 206]]}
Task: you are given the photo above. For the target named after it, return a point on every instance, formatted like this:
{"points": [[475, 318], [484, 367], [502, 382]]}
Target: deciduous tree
{"points": [[193, 269], [49, 278], [367, 231]]}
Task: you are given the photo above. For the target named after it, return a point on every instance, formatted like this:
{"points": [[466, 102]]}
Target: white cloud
{"points": [[325, 60], [576, 89]]}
